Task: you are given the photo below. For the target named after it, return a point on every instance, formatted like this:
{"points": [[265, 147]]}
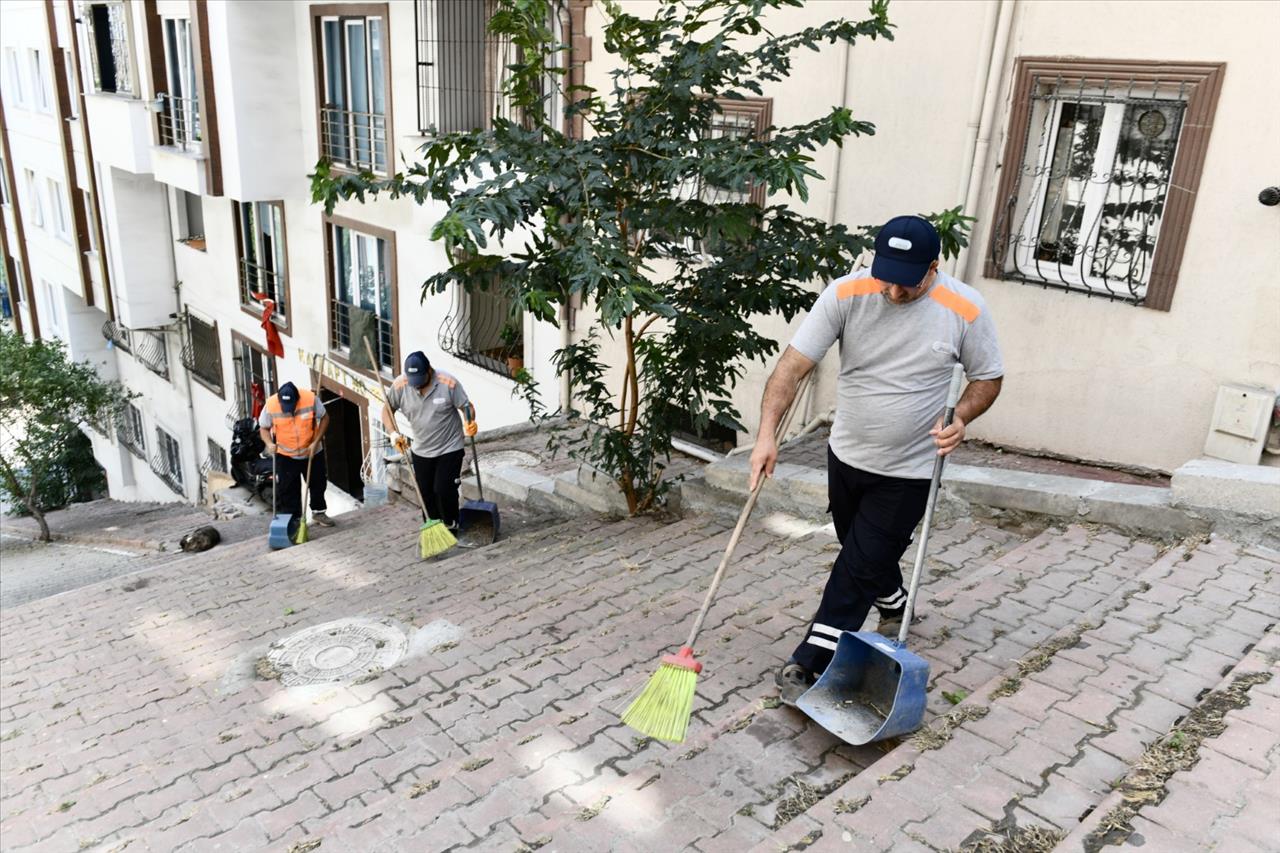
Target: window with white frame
{"points": [[110, 56], [261, 245], [1101, 167], [73, 96], [360, 306], [180, 105], [13, 73], [87, 203], [35, 198], [167, 462], [190, 219], [354, 90], [4, 184], [40, 89], [61, 213], [52, 313]]}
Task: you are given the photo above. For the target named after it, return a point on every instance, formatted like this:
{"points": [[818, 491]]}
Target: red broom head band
{"points": [[684, 660]]}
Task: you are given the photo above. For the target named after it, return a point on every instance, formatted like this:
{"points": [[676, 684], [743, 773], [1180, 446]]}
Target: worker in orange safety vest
{"points": [[292, 424]]}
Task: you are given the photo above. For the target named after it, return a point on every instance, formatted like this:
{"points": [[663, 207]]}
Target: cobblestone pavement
{"points": [[31, 570], [143, 713]]}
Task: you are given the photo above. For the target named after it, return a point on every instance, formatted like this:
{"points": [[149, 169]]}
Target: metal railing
{"points": [[1085, 210], [117, 335], [131, 436], [152, 350], [200, 352], [484, 328], [354, 139], [350, 325], [259, 279], [179, 121]]}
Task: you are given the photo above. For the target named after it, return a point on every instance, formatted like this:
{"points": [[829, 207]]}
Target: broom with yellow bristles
{"points": [[433, 536], [662, 708]]}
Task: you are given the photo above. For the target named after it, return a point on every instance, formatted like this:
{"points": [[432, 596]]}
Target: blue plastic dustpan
{"points": [[873, 689], [278, 537]]}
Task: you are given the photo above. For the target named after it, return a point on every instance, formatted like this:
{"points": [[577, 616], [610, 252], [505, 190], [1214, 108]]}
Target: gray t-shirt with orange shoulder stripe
{"points": [[432, 413], [895, 366]]}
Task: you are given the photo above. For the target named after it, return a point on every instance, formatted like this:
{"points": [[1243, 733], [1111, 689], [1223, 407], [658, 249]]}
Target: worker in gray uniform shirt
{"points": [[901, 327], [441, 417]]}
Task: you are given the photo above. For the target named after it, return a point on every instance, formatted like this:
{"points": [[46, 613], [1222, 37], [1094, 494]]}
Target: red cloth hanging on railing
{"points": [[274, 346]]}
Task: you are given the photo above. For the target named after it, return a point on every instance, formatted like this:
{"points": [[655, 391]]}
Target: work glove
{"points": [[470, 428], [400, 442]]}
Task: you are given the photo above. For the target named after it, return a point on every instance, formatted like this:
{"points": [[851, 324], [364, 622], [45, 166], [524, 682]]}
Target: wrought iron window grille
{"points": [[462, 67], [1086, 206], [146, 345], [130, 432], [201, 354], [179, 121], [117, 335], [166, 462], [484, 328]]}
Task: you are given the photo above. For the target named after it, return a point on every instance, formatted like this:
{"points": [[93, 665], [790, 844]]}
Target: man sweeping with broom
{"points": [[901, 326], [292, 424], [432, 401]]}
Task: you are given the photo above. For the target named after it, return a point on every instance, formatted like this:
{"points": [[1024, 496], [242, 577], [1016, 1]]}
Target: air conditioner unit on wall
{"points": [[1241, 419]]}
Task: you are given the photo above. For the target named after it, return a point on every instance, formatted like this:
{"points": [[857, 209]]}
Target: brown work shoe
{"points": [[322, 519], [793, 680]]}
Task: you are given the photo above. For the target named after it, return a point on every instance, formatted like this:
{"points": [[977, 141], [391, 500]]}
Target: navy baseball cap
{"points": [[288, 395], [905, 247], [416, 367]]}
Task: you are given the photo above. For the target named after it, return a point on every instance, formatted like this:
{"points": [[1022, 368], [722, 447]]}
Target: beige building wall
{"points": [[1085, 377]]}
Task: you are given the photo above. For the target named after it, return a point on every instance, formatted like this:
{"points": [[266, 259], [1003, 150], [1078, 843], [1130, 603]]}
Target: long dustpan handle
{"points": [[382, 384], [475, 460], [742, 518], [953, 397]]}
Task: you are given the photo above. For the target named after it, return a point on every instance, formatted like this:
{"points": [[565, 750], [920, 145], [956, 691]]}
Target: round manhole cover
{"points": [[508, 459], [337, 651]]}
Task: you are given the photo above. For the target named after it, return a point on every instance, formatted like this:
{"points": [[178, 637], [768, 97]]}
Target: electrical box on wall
{"points": [[1241, 416]]}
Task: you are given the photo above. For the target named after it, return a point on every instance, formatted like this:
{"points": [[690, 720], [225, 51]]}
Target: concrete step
{"points": [[1034, 751]]}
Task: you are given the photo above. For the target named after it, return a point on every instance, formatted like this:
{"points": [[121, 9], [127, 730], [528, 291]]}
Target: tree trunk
{"points": [[45, 536]]}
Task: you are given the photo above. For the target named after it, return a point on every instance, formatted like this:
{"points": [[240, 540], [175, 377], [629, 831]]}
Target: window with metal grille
{"points": [[744, 119], [217, 458], [201, 354], [109, 52], [167, 461], [263, 269], [1091, 176], [355, 97], [485, 328], [462, 67], [361, 300], [130, 432], [179, 116], [255, 377]]}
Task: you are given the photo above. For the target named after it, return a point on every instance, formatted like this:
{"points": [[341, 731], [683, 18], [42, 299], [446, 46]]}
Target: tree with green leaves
{"points": [[673, 229], [45, 398]]}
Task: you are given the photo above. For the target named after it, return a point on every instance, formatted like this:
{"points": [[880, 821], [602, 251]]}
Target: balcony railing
{"points": [[481, 328], [257, 279], [179, 122], [351, 325], [130, 439], [357, 140], [117, 335], [201, 354]]}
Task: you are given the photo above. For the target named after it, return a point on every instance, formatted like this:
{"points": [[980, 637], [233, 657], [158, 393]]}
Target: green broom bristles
{"points": [[663, 707], [300, 536], [434, 538]]}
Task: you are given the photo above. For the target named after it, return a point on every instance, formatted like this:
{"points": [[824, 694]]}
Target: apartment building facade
{"points": [[160, 201], [155, 193]]}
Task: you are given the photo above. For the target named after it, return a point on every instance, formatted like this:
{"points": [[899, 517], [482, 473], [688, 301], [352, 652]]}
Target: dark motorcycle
{"points": [[248, 466]]}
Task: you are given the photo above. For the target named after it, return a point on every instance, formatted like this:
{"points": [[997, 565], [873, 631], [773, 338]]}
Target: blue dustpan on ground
{"points": [[874, 687], [278, 537], [479, 520]]}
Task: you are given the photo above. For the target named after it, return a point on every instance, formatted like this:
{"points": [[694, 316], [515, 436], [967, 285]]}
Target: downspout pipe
{"points": [[178, 316], [976, 168]]}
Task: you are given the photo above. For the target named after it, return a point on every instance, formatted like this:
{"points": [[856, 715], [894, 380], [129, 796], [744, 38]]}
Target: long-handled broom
{"points": [[302, 535], [662, 708], [433, 537]]}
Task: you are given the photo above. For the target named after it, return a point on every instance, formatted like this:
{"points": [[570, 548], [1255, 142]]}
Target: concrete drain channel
{"points": [[341, 651]]}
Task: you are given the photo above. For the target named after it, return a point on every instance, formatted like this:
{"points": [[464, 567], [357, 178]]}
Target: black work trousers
{"points": [[874, 517], [438, 478], [288, 486]]}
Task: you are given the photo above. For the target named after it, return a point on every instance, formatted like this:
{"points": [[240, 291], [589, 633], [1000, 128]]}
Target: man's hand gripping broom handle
{"points": [[742, 522]]}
